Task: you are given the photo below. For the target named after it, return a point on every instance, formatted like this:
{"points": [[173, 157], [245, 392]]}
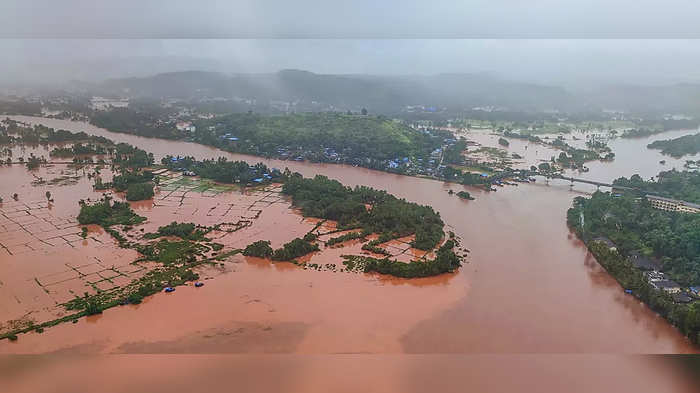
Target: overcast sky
{"points": [[350, 19], [545, 41]]}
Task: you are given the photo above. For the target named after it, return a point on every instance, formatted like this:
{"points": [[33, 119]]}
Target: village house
{"points": [[643, 262], [185, 126], [666, 285], [607, 242]]}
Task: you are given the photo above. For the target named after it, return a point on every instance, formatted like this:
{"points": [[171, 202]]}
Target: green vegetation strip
{"points": [[446, 261]]}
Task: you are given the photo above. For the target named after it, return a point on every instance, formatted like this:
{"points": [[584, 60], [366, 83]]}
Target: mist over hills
{"points": [[375, 92], [390, 94]]}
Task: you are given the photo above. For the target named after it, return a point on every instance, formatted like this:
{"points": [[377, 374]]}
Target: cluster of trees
{"points": [[294, 249], [464, 177], [634, 226], [106, 212], [130, 156], [465, 195], [640, 132], [172, 252], [684, 185], [20, 107], [453, 153], [128, 177], [572, 157], [362, 207], [445, 261], [40, 134], [137, 184], [139, 191], [260, 249], [78, 149], [222, 170], [185, 230], [346, 237], [657, 126], [146, 121], [351, 137], [34, 162], [529, 137], [678, 147]]}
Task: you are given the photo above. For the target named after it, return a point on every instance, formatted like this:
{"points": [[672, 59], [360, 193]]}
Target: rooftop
{"points": [[681, 298], [666, 284], [605, 240], [643, 262], [670, 200]]}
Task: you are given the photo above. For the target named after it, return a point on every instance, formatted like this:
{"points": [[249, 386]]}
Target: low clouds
{"points": [[366, 19], [543, 41]]}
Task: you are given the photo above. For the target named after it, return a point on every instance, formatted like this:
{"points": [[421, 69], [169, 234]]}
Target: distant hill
{"points": [[391, 94], [377, 93]]}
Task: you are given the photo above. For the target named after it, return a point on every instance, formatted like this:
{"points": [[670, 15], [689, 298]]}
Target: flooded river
{"points": [[528, 286]]}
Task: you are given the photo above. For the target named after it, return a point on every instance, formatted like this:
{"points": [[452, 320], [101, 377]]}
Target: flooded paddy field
{"points": [[48, 261]]}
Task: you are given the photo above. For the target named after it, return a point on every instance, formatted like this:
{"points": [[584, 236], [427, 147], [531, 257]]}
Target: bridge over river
{"points": [[593, 182]]}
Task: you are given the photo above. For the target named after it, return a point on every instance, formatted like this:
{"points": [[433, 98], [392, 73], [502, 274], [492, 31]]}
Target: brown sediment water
{"points": [[339, 373], [528, 285]]}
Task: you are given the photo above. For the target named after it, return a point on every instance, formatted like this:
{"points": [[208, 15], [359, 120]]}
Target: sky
{"points": [[541, 41]]}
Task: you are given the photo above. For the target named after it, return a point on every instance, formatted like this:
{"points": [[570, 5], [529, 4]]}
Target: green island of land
{"points": [[388, 216], [678, 147]]}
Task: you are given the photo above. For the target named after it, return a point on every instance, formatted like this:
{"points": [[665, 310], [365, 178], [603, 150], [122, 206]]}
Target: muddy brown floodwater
{"points": [[528, 287]]}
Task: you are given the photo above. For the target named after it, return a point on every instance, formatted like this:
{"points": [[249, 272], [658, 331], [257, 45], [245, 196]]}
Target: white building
{"points": [[103, 104], [672, 205], [185, 126]]}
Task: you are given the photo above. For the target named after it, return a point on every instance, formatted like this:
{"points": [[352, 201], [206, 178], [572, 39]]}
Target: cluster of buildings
{"points": [[104, 104], [185, 126], [657, 279]]}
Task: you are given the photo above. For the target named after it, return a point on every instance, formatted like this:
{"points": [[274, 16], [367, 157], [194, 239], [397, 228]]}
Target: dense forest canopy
{"points": [[373, 210], [359, 136], [223, 170], [678, 147], [143, 122]]}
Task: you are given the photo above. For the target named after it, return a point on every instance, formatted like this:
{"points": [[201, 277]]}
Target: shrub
{"points": [[139, 191], [260, 249], [294, 249]]}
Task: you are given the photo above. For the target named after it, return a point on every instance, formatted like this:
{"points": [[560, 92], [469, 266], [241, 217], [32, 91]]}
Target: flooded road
{"points": [[528, 286]]}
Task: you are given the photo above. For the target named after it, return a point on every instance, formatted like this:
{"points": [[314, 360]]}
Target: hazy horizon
{"points": [[573, 44], [576, 63]]}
